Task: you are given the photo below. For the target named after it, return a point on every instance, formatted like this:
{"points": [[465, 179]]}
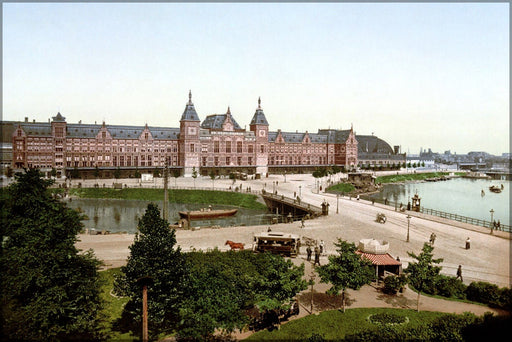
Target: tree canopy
{"points": [[222, 285], [153, 254], [49, 291], [346, 270]]}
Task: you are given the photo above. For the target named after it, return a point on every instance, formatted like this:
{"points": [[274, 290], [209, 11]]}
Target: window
{"points": [[228, 146], [192, 148], [238, 147], [250, 149], [215, 147]]}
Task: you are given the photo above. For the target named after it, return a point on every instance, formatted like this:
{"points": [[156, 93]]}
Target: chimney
{"points": [[26, 118], [34, 120]]}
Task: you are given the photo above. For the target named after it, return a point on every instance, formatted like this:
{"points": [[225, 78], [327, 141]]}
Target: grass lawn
{"points": [[113, 305], [341, 188], [410, 177], [175, 196], [335, 325]]}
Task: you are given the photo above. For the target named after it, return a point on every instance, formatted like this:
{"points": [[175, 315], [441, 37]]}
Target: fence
{"points": [[442, 214]]}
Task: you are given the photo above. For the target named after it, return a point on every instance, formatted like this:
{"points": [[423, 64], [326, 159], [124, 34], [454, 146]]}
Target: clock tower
{"points": [[189, 146], [259, 126]]}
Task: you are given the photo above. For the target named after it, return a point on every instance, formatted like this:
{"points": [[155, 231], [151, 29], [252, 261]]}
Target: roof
{"points": [[370, 143], [276, 236], [189, 114], [259, 117], [215, 121], [379, 259]]}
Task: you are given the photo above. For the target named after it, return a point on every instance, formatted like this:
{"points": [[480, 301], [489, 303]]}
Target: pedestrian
{"points": [[468, 243], [322, 245], [432, 238], [459, 273], [498, 225], [397, 258], [302, 222], [309, 251], [269, 230], [317, 256]]}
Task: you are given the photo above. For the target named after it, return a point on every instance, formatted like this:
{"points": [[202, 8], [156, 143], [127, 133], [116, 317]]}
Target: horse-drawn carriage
{"points": [[381, 218], [277, 243]]}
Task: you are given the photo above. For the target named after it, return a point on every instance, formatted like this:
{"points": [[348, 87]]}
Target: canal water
{"points": [[118, 215], [462, 196]]}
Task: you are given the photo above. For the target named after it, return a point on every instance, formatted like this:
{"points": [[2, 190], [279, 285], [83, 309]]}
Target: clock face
{"points": [[192, 130], [262, 132]]}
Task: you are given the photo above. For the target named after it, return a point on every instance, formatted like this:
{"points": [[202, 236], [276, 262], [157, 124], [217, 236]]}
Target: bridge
{"points": [[283, 205]]}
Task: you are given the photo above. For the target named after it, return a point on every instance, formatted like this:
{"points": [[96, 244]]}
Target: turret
{"points": [[259, 125], [189, 146]]}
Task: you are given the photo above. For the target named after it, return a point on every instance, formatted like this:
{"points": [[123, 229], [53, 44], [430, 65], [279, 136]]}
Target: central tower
{"points": [[259, 126], [189, 146]]}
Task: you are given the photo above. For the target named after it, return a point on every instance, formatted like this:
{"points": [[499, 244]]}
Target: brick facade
{"points": [[218, 143]]}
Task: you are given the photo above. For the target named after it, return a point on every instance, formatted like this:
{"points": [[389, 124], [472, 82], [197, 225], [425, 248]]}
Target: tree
{"points": [[212, 176], [117, 173], [137, 173], [346, 270], [96, 172], [222, 285], [176, 174], [153, 254], [423, 273], [194, 175], [49, 291]]}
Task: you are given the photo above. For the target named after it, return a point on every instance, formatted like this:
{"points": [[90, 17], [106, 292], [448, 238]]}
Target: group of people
{"points": [[496, 225], [433, 239], [319, 249]]}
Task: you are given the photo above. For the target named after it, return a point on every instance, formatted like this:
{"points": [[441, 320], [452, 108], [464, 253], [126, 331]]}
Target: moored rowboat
{"points": [[207, 214]]}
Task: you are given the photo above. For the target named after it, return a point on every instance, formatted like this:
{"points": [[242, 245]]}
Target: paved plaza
{"points": [[488, 259]]}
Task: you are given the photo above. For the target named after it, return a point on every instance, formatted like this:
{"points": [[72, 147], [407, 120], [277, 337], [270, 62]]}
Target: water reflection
{"points": [[123, 215]]}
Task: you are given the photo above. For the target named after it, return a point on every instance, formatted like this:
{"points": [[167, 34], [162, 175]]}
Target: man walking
{"points": [[468, 243], [309, 251], [459, 273], [317, 256], [432, 238]]}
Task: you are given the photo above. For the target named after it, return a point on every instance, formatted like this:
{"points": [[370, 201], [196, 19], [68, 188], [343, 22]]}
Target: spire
{"points": [[189, 113], [259, 117], [229, 111]]}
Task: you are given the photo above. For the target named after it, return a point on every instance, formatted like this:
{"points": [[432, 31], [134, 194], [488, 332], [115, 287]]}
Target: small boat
{"points": [[495, 189], [207, 214]]}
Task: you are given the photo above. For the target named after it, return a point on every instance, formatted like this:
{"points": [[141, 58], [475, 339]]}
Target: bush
{"points": [[483, 292], [392, 284], [450, 287]]}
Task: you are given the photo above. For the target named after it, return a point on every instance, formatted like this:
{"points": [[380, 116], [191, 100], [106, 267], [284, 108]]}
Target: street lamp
{"points": [[491, 224], [408, 224], [300, 190], [337, 203]]}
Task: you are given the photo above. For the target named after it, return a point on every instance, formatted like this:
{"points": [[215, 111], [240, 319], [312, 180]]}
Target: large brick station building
{"points": [[218, 143]]}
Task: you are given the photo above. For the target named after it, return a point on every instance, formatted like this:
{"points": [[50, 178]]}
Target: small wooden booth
{"points": [[376, 252]]}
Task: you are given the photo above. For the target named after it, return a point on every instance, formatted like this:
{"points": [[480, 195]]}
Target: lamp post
{"points": [[300, 190], [408, 224], [337, 203], [492, 225]]}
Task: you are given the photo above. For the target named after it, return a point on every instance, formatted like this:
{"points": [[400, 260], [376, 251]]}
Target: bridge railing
{"points": [[293, 202], [443, 214]]}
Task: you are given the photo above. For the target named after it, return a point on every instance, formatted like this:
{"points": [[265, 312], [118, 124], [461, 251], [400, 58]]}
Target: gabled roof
{"points": [[259, 117], [40, 129], [59, 118], [215, 121], [189, 114]]}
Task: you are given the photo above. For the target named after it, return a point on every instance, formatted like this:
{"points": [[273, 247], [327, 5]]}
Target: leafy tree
{"points": [[137, 173], [74, 173], [176, 174], [53, 172], [153, 254], [194, 175], [156, 173], [96, 172], [212, 176], [423, 273], [223, 284], [49, 291], [346, 270], [117, 173]]}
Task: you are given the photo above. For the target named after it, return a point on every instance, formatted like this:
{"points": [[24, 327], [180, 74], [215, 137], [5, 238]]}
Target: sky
{"points": [[418, 75]]}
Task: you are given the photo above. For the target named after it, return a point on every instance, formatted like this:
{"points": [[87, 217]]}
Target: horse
{"points": [[234, 245]]}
